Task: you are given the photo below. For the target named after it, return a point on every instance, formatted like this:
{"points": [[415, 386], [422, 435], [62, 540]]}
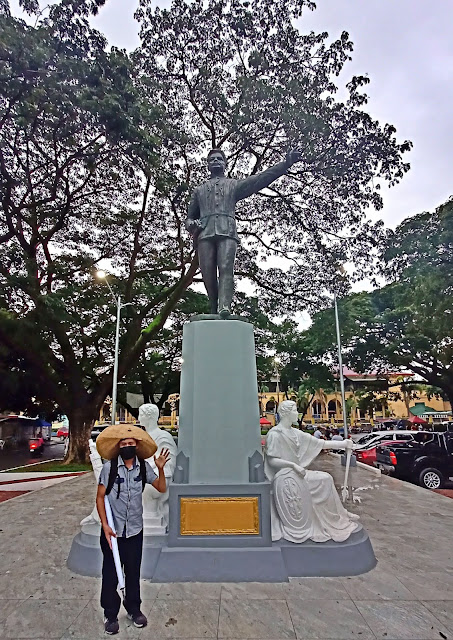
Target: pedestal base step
{"points": [[275, 563]]}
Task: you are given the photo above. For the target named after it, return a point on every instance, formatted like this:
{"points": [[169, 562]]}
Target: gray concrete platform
{"points": [[408, 595], [275, 563]]}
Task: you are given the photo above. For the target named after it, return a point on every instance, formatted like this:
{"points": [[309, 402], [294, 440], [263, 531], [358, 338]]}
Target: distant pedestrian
{"points": [[336, 435], [123, 478], [318, 434]]}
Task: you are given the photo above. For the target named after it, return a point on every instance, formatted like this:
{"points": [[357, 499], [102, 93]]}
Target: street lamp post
{"points": [[276, 363], [340, 364], [119, 306]]}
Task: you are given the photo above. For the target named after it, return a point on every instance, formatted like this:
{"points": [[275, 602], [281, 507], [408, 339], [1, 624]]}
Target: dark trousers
{"points": [[131, 558], [218, 254]]}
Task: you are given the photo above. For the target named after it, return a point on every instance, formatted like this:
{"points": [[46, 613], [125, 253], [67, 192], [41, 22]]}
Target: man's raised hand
{"points": [[162, 460]]}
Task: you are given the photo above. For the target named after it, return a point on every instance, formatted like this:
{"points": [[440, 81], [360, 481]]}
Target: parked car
{"points": [[374, 439], [365, 438], [99, 428], [427, 459], [63, 432], [368, 454]]}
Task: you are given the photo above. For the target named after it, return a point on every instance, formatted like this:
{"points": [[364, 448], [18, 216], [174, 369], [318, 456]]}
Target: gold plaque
{"points": [[220, 516]]}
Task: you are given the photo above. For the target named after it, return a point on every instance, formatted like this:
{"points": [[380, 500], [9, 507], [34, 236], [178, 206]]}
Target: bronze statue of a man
{"points": [[211, 220]]}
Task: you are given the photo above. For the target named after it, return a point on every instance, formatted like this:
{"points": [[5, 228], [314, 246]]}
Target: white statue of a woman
{"points": [[96, 461], [155, 504], [305, 504]]}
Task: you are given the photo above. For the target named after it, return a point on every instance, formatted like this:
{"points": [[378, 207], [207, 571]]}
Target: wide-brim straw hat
{"points": [[108, 441]]}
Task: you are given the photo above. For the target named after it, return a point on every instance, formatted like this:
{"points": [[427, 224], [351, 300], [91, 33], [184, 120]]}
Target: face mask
{"points": [[129, 452]]}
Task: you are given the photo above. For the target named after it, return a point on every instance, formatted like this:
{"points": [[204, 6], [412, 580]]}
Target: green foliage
{"points": [[77, 151], [99, 151], [407, 324], [45, 467], [241, 76]]}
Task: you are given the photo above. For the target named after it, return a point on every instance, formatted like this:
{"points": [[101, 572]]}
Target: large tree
{"points": [[78, 163], [242, 76], [99, 151], [406, 324], [410, 321]]}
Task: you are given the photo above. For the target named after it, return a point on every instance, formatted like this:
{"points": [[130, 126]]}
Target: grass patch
{"points": [[53, 466]]}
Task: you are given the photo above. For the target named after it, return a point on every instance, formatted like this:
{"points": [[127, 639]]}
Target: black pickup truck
{"points": [[427, 460]]}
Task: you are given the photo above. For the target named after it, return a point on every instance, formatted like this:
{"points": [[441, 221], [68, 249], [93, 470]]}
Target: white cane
{"points": [[115, 551], [344, 493]]}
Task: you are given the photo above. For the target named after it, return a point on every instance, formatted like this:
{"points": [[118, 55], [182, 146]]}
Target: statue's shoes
{"points": [[224, 313]]}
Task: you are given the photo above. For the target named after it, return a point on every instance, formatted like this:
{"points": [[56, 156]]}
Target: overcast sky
{"points": [[406, 48]]}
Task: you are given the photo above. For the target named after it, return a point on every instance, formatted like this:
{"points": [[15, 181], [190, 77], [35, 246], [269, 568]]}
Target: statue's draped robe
{"points": [[153, 501], [325, 518]]}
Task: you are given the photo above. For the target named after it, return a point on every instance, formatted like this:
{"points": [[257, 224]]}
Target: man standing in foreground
{"points": [[123, 478], [211, 221]]}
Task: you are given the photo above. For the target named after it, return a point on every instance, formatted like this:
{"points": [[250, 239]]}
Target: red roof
{"points": [[417, 420]]}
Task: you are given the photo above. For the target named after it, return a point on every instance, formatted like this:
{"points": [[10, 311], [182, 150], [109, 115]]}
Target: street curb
{"points": [[60, 475], [33, 464], [34, 491]]}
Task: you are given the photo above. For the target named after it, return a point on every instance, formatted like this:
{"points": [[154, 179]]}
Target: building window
{"points": [[332, 407], [316, 409]]}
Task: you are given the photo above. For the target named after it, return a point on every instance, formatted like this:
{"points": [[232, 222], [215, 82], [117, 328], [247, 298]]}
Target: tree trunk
{"points": [[305, 405], [81, 422], [449, 393], [132, 410], [406, 401]]}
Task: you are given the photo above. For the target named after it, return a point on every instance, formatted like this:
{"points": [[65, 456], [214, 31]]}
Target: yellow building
{"points": [[168, 414], [390, 400]]}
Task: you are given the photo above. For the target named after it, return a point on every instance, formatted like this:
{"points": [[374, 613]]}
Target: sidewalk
{"points": [[13, 484], [409, 594]]}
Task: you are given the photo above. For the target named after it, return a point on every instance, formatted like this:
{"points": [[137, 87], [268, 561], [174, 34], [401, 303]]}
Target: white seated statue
{"points": [[93, 522], [155, 504], [305, 504]]}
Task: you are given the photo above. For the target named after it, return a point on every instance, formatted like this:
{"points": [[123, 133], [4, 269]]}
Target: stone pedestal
{"points": [[219, 420], [219, 517], [219, 498]]}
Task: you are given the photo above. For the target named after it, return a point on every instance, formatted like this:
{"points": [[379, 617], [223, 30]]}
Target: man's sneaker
{"points": [[138, 619], [111, 626]]}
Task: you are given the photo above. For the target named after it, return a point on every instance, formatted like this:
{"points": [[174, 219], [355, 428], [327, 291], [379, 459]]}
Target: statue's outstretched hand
{"points": [[162, 460], [299, 470], [349, 444], [293, 155]]}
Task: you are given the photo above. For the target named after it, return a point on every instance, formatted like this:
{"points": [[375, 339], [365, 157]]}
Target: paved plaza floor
{"points": [[409, 594]]}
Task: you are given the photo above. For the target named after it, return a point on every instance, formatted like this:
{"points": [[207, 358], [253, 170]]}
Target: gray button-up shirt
{"points": [[127, 508], [214, 201]]}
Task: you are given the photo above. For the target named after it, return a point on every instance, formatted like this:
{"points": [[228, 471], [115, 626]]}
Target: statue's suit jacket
{"points": [[214, 202]]}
